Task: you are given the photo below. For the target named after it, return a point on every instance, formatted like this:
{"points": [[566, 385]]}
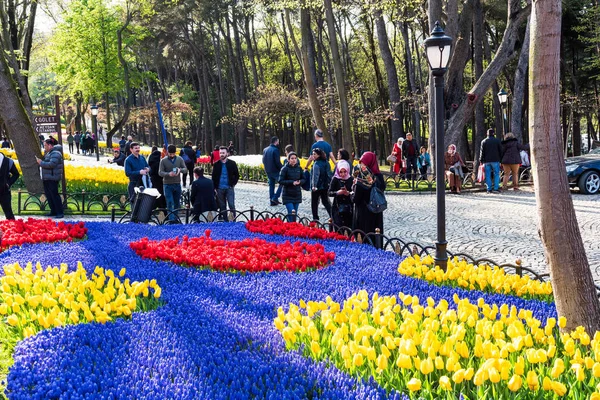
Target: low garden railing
{"points": [[74, 203]]}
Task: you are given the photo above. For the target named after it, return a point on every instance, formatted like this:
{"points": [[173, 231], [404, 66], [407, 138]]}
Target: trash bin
{"points": [[143, 204]]}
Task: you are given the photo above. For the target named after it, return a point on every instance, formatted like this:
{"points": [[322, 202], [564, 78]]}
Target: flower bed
{"points": [[478, 350], [18, 232], [275, 226], [32, 300], [485, 278], [248, 255], [214, 336]]}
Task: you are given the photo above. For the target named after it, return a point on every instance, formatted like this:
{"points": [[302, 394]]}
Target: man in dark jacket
{"points": [[157, 180], [52, 170], [272, 163], [189, 158], [8, 175], [410, 152], [225, 176], [119, 158], [490, 156], [202, 195]]}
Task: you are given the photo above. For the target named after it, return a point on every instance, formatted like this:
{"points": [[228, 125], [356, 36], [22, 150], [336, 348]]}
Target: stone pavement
{"points": [[502, 227]]}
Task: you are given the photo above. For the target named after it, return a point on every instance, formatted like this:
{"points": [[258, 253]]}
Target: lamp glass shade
{"points": [[288, 123], [438, 48], [502, 96], [94, 110]]}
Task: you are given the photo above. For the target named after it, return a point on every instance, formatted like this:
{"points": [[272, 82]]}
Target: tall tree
{"points": [[572, 282], [17, 23]]}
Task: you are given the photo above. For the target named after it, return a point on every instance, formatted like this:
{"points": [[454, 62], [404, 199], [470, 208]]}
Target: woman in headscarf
{"points": [[340, 189], [319, 183], [367, 175], [453, 164]]}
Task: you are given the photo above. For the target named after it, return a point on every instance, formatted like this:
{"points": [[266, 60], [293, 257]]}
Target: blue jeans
{"points": [[173, 197], [273, 179], [292, 207], [495, 167], [225, 196]]}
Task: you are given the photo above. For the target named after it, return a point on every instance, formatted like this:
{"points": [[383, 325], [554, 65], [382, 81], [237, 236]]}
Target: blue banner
{"points": [[162, 124]]}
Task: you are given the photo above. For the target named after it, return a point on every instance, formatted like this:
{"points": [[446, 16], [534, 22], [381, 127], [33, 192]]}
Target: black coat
{"points": [[405, 148], [233, 175], [203, 195], [491, 150], [119, 160], [511, 151], [272, 160], [364, 219], [190, 153], [342, 208], [287, 176], [154, 163]]}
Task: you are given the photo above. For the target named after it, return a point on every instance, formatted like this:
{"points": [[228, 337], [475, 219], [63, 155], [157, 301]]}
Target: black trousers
{"points": [[190, 168], [54, 201], [314, 202], [6, 203]]}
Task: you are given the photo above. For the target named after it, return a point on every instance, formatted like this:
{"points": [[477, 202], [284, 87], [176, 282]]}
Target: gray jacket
{"points": [[52, 164], [167, 166]]}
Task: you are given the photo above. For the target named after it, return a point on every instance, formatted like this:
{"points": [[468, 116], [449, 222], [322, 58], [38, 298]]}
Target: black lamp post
{"points": [[288, 124], [437, 49], [94, 109], [503, 97]]}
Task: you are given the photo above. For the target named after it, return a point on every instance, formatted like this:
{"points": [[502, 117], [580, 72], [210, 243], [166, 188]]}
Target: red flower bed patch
{"points": [[248, 255], [275, 226], [19, 231]]}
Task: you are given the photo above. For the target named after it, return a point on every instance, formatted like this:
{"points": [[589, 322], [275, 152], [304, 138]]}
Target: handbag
{"points": [[377, 202], [306, 184], [392, 159], [481, 173]]}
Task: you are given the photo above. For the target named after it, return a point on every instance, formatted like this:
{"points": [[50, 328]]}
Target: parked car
{"points": [[584, 172]]}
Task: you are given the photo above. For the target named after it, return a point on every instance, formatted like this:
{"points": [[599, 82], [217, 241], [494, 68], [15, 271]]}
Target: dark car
{"points": [[584, 172]]}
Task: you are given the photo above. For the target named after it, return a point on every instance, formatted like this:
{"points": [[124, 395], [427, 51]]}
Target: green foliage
{"points": [[83, 51]]}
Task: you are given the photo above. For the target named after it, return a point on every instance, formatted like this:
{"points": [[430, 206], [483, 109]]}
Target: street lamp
{"points": [[288, 124], [438, 47], [503, 98], [94, 109]]}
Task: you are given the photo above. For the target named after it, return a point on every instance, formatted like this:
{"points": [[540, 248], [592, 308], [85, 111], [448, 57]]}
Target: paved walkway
{"points": [[501, 227]]}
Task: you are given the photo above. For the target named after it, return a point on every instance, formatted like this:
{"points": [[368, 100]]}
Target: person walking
{"points": [[397, 167], [272, 164], [8, 175], [319, 183], [491, 155], [340, 189], [511, 160], [128, 145], [323, 145], [189, 158], [410, 152], [225, 176], [77, 140], [202, 194], [155, 178], [122, 144], [136, 167], [366, 176], [5, 143], [170, 169], [70, 141], [423, 162], [52, 171], [291, 179]]}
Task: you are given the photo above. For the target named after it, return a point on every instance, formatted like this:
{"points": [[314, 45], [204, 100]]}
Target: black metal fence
{"points": [[76, 203]]}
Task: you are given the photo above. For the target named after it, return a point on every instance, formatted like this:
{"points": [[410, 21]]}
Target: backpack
{"points": [[377, 202], [306, 184]]}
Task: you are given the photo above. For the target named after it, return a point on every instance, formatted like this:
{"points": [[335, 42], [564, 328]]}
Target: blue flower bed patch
{"points": [[214, 336]]}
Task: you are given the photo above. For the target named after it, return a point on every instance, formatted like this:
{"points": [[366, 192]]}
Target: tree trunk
{"points": [[340, 81], [410, 72], [572, 282], [313, 99], [392, 75], [286, 46], [518, 97], [383, 96], [478, 36], [18, 125], [250, 49], [505, 52]]}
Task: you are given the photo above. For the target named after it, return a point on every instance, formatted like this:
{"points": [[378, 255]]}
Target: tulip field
{"points": [[271, 310]]}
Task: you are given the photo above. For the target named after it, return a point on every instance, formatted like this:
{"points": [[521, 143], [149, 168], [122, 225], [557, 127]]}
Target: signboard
{"points": [[45, 119], [44, 128]]}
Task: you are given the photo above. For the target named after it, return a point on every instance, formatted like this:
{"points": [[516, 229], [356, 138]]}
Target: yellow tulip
{"points": [[358, 360], [532, 380], [595, 396], [414, 384], [515, 383], [546, 383], [12, 320], [382, 362], [445, 383], [579, 371], [404, 361], [562, 322], [559, 368], [315, 347]]}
